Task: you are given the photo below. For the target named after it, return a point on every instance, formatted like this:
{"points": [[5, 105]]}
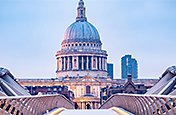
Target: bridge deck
{"points": [[88, 112]]}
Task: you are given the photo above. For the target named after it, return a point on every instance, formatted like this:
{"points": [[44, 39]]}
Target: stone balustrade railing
{"points": [[143, 104], [32, 105]]}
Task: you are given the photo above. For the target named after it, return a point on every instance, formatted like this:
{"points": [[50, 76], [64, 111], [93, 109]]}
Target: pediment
{"points": [[88, 79]]}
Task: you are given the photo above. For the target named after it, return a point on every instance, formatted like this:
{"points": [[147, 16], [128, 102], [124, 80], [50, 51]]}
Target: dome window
{"points": [[72, 44], [76, 44], [79, 44], [83, 44], [87, 44]]}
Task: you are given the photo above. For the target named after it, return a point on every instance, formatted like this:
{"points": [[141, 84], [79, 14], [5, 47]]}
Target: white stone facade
{"points": [[81, 62]]}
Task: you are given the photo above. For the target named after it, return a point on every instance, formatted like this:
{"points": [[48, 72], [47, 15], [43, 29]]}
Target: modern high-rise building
{"points": [[129, 66], [110, 70]]}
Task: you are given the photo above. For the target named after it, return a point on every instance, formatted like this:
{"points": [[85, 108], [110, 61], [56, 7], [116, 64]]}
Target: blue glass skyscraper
{"points": [[110, 70], [129, 66]]}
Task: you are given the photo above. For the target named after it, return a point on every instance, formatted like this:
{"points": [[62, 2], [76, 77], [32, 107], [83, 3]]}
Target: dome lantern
{"points": [[81, 12]]}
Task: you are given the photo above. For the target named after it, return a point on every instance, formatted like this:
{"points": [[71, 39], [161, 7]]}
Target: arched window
{"points": [[88, 89]]}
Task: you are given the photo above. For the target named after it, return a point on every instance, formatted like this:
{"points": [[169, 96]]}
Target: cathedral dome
{"points": [[81, 31], [81, 51]]}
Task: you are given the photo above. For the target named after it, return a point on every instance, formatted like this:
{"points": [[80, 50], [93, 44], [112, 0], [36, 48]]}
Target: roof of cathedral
{"points": [[81, 30]]}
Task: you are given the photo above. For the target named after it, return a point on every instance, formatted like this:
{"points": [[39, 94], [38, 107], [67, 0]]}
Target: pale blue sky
{"points": [[31, 32]]}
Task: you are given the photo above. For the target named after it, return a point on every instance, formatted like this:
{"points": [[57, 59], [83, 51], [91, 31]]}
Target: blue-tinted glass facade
{"points": [[129, 66], [110, 70]]}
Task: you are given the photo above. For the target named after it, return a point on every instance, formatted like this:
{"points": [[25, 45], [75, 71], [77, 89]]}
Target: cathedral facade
{"points": [[81, 62], [81, 67], [81, 49]]}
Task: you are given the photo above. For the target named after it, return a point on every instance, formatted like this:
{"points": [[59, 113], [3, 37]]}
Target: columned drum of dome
{"points": [[81, 51]]}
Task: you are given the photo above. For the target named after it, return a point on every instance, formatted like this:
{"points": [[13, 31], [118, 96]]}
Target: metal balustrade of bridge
{"points": [[127, 103], [143, 104], [33, 105]]}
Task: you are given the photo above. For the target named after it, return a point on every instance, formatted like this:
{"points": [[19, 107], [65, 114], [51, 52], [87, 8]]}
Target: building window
{"points": [[98, 67], [49, 89], [88, 89], [85, 62], [70, 63], [80, 62], [60, 89], [55, 89], [94, 63], [66, 63], [90, 63], [62, 63], [75, 63]]}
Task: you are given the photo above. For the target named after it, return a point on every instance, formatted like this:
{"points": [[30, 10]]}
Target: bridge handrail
{"points": [[38, 104], [142, 104]]}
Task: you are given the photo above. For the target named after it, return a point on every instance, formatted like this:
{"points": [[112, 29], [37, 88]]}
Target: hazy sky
{"points": [[31, 32]]}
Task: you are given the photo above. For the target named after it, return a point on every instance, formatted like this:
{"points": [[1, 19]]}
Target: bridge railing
{"points": [[32, 105], [143, 104]]}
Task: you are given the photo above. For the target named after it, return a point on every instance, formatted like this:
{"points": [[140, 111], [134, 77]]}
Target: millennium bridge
{"points": [[159, 100]]}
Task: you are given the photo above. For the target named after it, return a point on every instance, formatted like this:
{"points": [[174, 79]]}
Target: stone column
{"points": [[84, 105], [92, 62], [77, 59], [73, 66], [58, 66], [71, 62], [98, 63], [100, 68], [60, 63], [81, 105], [97, 104], [105, 64], [64, 63], [68, 63], [102, 63], [94, 105]]}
